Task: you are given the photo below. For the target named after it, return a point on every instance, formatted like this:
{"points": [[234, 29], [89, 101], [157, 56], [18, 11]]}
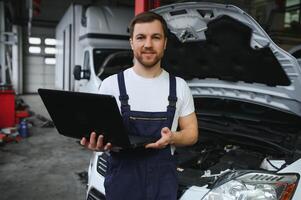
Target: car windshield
{"points": [[111, 61]]}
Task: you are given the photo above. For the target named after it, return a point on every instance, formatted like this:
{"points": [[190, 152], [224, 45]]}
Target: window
{"points": [[49, 61], [50, 41], [86, 60], [291, 2], [34, 50], [291, 16], [292, 13], [34, 40], [43, 46], [111, 61], [50, 50]]}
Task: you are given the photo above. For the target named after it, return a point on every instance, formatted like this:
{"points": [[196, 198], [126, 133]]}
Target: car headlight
{"points": [[254, 186]]}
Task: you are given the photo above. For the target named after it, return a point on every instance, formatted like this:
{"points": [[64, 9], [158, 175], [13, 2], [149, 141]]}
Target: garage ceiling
{"points": [[51, 11]]}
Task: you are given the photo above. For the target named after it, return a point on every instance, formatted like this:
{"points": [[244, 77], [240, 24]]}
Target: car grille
{"points": [[95, 195], [102, 164]]}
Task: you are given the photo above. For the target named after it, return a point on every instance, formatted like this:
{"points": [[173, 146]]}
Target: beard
{"points": [[148, 63]]}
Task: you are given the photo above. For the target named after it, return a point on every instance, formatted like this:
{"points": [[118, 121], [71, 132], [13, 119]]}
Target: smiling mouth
{"points": [[148, 52]]}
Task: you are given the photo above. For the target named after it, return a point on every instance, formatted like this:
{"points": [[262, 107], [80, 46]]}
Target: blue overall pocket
{"points": [[148, 124]]}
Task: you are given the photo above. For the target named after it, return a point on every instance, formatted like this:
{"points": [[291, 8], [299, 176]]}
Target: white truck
{"points": [[92, 43]]}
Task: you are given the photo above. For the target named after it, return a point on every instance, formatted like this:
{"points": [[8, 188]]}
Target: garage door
{"points": [[39, 65], [37, 74]]}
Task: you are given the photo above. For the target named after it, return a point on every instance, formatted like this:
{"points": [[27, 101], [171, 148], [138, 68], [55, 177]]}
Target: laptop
{"points": [[77, 114]]}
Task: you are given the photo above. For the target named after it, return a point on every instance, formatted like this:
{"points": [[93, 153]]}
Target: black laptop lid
{"points": [[77, 114]]}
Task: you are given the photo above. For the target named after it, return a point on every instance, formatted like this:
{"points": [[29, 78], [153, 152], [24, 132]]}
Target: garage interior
{"points": [[35, 161]]}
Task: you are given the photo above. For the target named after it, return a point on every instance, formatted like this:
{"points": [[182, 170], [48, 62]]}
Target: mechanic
{"points": [[153, 103]]}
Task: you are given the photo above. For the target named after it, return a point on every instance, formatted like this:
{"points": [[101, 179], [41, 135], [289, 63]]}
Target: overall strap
{"points": [[172, 99], [124, 98]]}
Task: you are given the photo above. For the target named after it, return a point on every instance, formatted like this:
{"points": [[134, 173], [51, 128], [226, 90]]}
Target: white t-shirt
{"points": [[151, 94]]}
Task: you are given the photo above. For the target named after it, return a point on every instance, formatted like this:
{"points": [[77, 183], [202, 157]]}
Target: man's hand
{"points": [[188, 134], [95, 145], [166, 139]]}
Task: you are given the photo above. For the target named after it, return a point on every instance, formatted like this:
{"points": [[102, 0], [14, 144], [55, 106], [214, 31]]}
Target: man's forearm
{"points": [[188, 135], [184, 137]]}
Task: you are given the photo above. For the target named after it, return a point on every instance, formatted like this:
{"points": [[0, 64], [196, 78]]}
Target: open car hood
{"points": [[222, 52]]}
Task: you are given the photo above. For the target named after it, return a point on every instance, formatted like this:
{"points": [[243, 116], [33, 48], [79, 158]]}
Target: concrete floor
{"points": [[44, 166]]}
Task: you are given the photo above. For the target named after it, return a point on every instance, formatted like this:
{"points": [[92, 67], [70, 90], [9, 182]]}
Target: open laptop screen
{"points": [[77, 114]]}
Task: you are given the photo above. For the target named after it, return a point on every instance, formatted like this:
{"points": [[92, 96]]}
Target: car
{"points": [[247, 95]]}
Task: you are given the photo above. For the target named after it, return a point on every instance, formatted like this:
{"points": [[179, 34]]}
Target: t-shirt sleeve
{"points": [[106, 86], [187, 106]]}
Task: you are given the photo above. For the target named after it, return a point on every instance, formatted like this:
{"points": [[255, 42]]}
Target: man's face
{"points": [[148, 43]]}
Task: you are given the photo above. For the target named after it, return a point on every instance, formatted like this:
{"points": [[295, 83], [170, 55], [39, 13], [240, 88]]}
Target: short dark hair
{"points": [[147, 17]]}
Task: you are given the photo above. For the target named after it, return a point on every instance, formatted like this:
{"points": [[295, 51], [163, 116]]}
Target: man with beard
{"points": [[153, 103]]}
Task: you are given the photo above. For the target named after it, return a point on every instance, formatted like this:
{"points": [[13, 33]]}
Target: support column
{"points": [[17, 64], [145, 5], [2, 45]]}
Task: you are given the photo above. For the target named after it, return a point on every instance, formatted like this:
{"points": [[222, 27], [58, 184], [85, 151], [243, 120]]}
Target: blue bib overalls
{"points": [[147, 174]]}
